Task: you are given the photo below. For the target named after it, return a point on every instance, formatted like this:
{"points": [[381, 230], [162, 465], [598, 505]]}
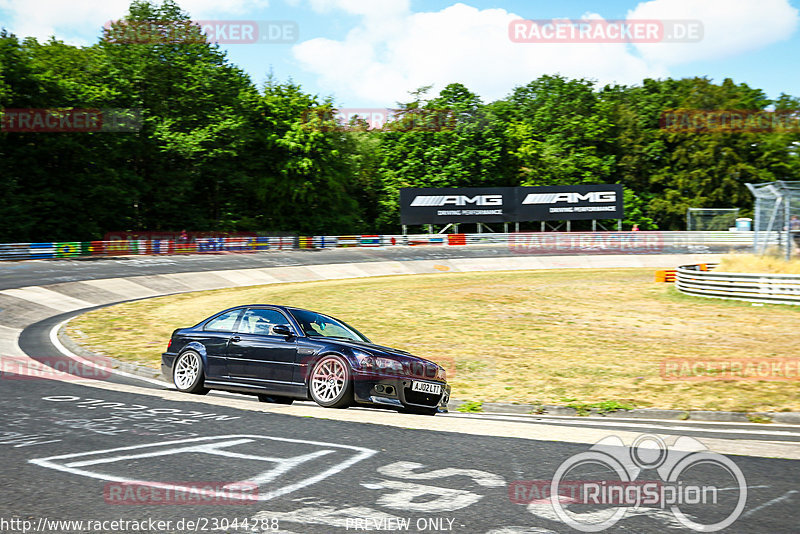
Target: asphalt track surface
{"points": [[316, 470], [28, 273]]}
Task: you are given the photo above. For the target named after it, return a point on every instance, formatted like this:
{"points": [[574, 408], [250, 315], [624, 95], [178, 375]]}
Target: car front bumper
{"points": [[395, 391]]}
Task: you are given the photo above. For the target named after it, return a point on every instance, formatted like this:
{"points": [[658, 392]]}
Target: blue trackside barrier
{"points": [[42, 251], [210, 244], [325, 241], [262, 243], [240, 244], [160, 246]]}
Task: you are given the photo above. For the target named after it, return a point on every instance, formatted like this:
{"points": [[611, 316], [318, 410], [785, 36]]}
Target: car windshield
{"points": [[318, 325]]}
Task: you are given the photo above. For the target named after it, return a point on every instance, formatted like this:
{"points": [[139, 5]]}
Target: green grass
{"points": [[602, 408], [471, 407], [528, 337]]}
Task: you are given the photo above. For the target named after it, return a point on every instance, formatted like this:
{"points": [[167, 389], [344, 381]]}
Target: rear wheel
{"points": [[187, 373], [330, 383]]}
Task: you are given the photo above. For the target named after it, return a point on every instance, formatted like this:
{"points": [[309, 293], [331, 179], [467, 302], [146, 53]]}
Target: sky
{"points": [[372, 53]]}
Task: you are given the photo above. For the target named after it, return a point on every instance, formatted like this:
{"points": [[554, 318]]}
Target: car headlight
{"points": [[369, 362], [365, 361], [441, 374], [389, 365]]}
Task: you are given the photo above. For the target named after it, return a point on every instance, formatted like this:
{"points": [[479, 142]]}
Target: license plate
{"points": [[426, 387]]}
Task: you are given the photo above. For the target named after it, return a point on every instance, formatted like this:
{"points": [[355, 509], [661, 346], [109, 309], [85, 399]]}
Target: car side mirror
{"points": [[282, 330]]}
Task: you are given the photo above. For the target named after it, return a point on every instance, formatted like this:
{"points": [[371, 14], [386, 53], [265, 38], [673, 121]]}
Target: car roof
{"points": [[276, 306]]}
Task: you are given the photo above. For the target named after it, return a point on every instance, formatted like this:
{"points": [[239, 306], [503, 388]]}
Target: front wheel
{"points": [[330, 383], [187, 373]]}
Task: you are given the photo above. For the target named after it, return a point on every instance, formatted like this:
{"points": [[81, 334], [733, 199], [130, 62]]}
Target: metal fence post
{"points": [[787, 222]]}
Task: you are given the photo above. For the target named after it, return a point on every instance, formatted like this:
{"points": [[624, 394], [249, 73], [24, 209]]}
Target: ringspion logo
{"points": [[580, 496]]}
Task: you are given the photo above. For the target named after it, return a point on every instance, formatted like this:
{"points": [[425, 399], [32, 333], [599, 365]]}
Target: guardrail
{"points": [[751, 287], [520, 243]]}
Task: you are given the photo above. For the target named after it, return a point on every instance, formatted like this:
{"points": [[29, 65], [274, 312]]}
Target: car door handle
{"points": [[236, 339]]}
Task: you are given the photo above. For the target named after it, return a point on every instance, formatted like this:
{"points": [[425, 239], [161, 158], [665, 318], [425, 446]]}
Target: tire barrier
{"points": [[700, 280], [538, 243]]}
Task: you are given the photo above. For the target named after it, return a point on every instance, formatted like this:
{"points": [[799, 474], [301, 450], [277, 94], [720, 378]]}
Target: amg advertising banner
{"points": [[510, 204], [456, 205], [569, 202]]}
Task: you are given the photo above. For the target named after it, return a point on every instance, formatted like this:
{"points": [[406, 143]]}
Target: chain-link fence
{"points": [[711, 219], [777, 212]]}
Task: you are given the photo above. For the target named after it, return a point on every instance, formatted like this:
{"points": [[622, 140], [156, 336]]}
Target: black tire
{"points": [[187, 373], [275, 399], [330, 382]]}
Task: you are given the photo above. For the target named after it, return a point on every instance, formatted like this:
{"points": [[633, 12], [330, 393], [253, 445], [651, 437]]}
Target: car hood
{"points": [[378, 349]]}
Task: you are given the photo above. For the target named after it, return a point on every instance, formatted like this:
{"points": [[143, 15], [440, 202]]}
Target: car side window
{"points": [[261, 321], [223, 323]]}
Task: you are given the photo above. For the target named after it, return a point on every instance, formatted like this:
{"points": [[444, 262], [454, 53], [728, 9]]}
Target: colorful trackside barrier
{"points": [[518, 243], [76, 249]]}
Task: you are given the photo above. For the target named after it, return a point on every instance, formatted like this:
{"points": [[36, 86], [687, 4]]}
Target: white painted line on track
{"points": [[161, 383], [69, 354], [776, 500], [215, 446]]}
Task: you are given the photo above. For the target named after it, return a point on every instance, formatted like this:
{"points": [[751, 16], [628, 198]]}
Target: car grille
{"points": [[417, 397]]}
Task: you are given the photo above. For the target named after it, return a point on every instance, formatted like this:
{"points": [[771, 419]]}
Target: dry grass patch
{"points": [[541, 337], [751, 263]]}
